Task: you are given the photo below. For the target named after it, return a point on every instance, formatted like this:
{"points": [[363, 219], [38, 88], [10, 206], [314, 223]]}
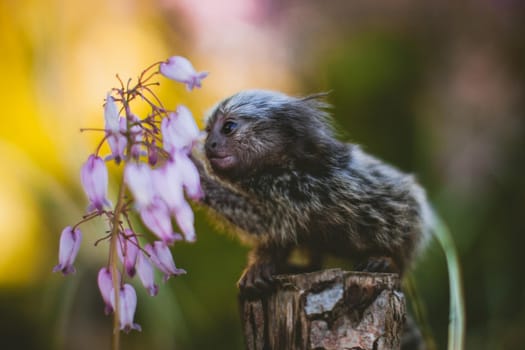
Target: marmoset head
{"points": [[257, 130]]}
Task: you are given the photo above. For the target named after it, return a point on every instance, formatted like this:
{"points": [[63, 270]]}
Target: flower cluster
{"points": [[154, 152]]}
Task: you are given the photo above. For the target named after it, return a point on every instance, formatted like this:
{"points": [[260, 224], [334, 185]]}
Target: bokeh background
{"points": [[436, 88]]}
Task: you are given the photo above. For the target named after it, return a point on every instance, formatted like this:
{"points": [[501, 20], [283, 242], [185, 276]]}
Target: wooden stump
{"points": [[327, 310]]}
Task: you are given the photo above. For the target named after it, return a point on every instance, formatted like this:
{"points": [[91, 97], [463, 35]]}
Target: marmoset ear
{"points": [[311, 155], [317, 145]]}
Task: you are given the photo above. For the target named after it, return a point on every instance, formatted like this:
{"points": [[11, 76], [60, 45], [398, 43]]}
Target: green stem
{"points": [[113, 262], [456, 328]]}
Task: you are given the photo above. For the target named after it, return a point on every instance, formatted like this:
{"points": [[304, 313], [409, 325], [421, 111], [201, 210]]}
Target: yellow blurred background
{"points": [[58, 60], [435, 88]]}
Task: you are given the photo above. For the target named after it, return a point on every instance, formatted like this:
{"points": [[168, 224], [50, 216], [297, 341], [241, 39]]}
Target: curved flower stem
{"points": [[456, 327], [113, 262]]}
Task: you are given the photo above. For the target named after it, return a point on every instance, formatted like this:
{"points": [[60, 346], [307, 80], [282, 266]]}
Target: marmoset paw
{"points": [[257, 280], [378, 264]]}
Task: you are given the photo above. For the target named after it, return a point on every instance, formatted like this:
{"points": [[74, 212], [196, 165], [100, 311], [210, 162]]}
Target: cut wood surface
{"points": [[329, 309]]}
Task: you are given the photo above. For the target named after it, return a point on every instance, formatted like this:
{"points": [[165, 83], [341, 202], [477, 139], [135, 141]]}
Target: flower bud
{"points": [[127, 248], [114, 126], [68, 249], [105, 285], [180, 69], [94, 178], [111, 115], [117, 144], [136, 134], [127, 306], [153, 154], [161, 257], [146, 275]]}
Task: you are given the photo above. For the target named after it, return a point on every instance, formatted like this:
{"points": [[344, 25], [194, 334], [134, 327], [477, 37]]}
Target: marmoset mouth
{"points": [[222, 162]]}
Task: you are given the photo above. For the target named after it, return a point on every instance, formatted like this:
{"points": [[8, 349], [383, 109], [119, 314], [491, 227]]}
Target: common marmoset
{"points": [[275, 170]]}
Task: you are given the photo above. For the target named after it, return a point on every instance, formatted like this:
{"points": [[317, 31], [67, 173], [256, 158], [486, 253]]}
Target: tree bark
{"points": [[326, 310]]}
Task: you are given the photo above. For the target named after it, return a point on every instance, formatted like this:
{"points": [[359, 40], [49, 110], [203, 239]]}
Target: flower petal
{"points": [[157, 218], [138, 178], [190, 176], [185, 218], [185, 125], [179, 131], [168, 184]]}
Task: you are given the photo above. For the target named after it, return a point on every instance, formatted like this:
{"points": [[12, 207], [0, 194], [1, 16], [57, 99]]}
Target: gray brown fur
{"points": [[288, 182]]}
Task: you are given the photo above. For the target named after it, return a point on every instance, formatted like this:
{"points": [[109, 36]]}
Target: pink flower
{"points": [[105, 285], [169, 134], [128, 247], [115, 125], [184, 217], [179, 131], [117, 144], [68, 249], [156, 217], [180, 69], [94, 178], [127, 306], [161, 257], [139, 180], [168, 185], [136, 137], [153, 153], [146, 275], [190, 176], [153, 211], [111, 115]]}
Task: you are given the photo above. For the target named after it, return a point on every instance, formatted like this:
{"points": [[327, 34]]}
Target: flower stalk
{"points": [[113, 263], [157, 179]]}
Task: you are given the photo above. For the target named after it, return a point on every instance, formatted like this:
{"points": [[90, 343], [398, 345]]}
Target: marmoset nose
{"points": [[211, 146]]}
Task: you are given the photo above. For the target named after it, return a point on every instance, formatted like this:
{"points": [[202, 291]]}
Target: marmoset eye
{"points": [[229, 127]]}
